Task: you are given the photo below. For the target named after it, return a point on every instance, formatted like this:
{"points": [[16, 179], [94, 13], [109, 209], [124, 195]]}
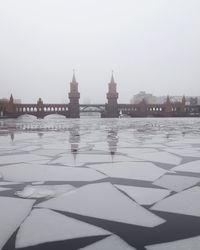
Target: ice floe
{"points": [[43, 191], [191, 152], [44, 225], [176, 183], [145, 171], [186, 202], [103, 201], [162, 157], [18, 158], [193, 166], [12, 212], [137, 151], [30, 148], [109, 243], [144, 196], [185, 244], [6, 183], [34, 172], [80, 159], [49, 152], [3, 189]]}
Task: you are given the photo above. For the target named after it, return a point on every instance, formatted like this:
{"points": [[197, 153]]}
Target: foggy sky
{"points": [[152, 45]]}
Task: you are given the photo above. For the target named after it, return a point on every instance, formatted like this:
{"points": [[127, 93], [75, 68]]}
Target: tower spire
{"points": [[11, 98], [112, 78], [74, 77]]}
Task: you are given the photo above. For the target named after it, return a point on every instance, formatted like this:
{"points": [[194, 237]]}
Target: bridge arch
{"points": [[92, 108]]}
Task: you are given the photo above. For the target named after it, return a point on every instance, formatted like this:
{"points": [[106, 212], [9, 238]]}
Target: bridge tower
{"points": [[74, 96], [10, 108], [112, 96]]}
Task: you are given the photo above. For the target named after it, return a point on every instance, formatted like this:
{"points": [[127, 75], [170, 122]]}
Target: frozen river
{"points": [[100, 184]]}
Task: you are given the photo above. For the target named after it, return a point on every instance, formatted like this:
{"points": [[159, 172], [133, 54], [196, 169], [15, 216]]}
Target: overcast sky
{"points": [[152, 45]]}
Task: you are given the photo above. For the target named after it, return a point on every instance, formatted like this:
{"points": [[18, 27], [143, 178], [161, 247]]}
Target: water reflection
{"points": [[112, 140], [12, 136], [74, 139]]}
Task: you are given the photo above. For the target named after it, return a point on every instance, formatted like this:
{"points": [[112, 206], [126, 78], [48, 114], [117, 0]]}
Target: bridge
{"points": [[111, 109]]}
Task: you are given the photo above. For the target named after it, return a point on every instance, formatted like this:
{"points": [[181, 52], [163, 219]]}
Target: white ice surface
{"points": [[186, 202], [49, 152], [186, 244], [87, 158], [162, 157], [103, 201], [136, 151], [146, 171], [144, 196], [176, 183], [12, 212], [18, 158], [34, 172], [30, 148], [187, 152], [44, 225], [110, 243], [6, 183], [4, 189], [44, 191], [193, 166]]}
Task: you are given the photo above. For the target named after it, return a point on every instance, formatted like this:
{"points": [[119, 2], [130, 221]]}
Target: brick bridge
{"points": [[111, 109]]}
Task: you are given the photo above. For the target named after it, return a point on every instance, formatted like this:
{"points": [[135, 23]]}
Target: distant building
{"points": [[17, 101], [5, 100], [193, 101], [143, 96]]}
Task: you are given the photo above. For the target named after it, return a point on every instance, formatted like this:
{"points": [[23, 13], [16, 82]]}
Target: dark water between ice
{"points": [[93, 141]]}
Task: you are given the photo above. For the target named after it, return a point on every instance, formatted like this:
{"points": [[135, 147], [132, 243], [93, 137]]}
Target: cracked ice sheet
{"points": [[145, 171], [110, 243], [44, 191], [12, 212], [5, 183], [12, 159], [184, 152], [144, 196], [3, 189], [186, 202], [34, 172], [44, 225], [176, 183], [193, 166], [49, 152], [136, 151], [162, 157], [103, 201], [87, 158], [186, 244], [30, 148]]}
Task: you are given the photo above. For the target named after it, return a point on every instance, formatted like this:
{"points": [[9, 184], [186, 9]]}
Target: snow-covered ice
{"points": [[162, 157], [144, 196], [19, 158], [145, 171], [193, 166], [44, 191], [112, 242], [103, 201], [176, 183], [12, 212], [44, 225], [4, 189], [186, 202], [185, 244], [6, 183], [34, 172]]}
